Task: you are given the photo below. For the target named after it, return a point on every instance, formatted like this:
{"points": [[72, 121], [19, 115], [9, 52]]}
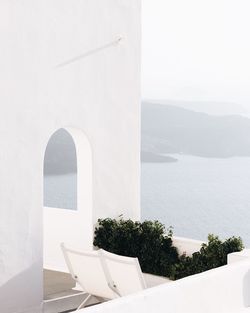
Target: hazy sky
{"points": [[196, 50]]}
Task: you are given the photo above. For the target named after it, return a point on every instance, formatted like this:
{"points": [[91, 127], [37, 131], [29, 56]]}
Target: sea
{"points": [[199, 196], [196, 196]]}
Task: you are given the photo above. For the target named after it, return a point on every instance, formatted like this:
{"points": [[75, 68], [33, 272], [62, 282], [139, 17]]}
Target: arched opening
{"points": [[67, 205], [60, 172]]}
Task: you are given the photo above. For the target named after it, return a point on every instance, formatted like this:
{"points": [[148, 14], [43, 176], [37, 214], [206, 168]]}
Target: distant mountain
{"points": [[166, 129], [171, 129], [209, 107], [150, 157]]}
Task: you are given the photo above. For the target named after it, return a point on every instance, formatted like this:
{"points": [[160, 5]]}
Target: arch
{"points": [[60, 171], [74, 227]]}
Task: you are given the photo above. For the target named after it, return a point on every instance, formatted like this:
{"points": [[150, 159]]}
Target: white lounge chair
{"points": [[103, 274], [122, 272]]}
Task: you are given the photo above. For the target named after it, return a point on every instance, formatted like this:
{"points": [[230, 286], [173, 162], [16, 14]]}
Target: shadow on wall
{"points": [[17, 295]]}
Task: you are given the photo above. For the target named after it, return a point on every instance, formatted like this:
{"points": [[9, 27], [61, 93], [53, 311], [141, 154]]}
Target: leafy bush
{"points": [[211, 255], [146, 240], [153, 247]]}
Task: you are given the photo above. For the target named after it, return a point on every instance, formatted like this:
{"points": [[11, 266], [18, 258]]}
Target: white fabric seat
{"points": [[123, 272], [103, 274], [154, 280]]}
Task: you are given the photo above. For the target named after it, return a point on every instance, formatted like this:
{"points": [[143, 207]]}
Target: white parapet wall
{"points": [[222, 290], [186, 245], [238, 256]]}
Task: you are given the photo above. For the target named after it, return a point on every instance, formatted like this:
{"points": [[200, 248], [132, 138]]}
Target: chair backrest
{"points": [[87, 269], [123, 272]]}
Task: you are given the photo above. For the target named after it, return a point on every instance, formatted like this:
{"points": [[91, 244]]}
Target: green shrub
{"points": [[211, 255], [147, 241]]}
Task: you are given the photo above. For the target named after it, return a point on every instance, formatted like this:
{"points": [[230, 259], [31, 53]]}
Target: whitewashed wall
{"points": [[222, 290], [98, 94], [187, 246]]}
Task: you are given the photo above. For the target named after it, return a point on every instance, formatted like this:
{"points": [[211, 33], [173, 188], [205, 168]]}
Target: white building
{"points": [[73, 65]]}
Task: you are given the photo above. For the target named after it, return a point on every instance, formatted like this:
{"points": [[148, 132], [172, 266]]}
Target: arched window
{"points": [[60, 172]]}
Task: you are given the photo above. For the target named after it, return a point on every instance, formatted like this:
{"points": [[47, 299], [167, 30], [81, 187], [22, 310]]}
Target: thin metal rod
{"points": [[84, 302], [90, 52]]}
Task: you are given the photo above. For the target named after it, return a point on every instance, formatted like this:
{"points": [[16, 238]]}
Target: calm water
{"points": [[60, 191], [198, 196], [195, 195]]}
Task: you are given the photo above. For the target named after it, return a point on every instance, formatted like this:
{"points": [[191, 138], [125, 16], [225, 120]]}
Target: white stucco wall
{"points": [[222, 290], [186, 245], [98, 94]]}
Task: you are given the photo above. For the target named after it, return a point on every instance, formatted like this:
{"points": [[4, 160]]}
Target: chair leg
{"points": [[84, 302]]}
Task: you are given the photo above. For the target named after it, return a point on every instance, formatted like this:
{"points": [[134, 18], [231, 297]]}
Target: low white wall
{"points": [[186, 245], [222, 290], [238, 256]]}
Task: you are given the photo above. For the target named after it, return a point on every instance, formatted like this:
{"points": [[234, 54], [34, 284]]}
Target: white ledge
{"points": [[186, 245]]}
